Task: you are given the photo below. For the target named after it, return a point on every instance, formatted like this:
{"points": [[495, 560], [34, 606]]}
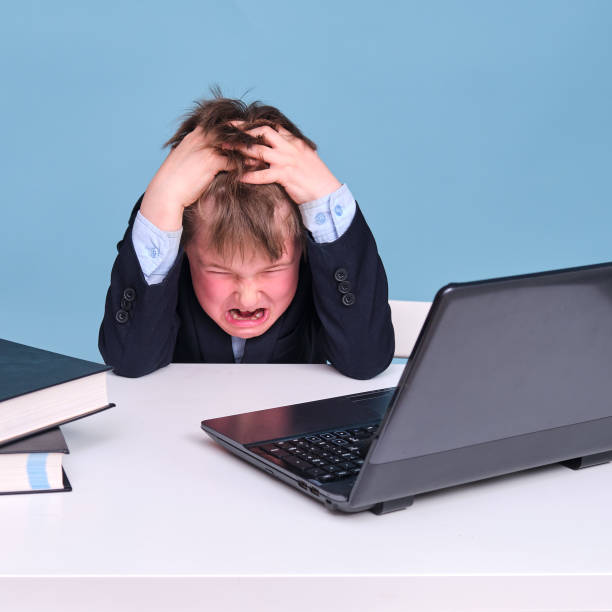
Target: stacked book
{"points": [[39, 391]]}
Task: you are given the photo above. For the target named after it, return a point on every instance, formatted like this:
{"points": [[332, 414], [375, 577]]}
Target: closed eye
{"points": [[274, 271], [219, 272]]}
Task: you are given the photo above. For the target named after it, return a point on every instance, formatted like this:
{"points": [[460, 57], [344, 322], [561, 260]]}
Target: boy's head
{"points": [[244, 242]]}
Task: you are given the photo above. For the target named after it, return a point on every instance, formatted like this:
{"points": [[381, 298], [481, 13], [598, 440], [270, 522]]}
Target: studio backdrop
{"points": [[476, 136]]}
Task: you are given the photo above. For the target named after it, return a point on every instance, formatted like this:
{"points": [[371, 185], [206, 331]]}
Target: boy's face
{"points": [[243, 296]]}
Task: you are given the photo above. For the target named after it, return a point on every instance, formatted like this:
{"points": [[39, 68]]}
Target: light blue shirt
{"points": [[326, 218]]}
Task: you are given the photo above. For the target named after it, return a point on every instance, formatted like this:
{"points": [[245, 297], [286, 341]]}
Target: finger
{"points": [[229, 164], [260, 152], [270, 135], [284, 132], [259, 177]]}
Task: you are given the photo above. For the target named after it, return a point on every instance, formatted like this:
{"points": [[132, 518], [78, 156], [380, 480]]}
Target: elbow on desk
{"points": [[134, 370], [363, 365], [127, 364], [362, 373]]}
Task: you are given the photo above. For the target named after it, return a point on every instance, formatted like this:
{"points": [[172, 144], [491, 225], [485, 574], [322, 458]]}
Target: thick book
{"points": [[34, 464], [40, 389]]}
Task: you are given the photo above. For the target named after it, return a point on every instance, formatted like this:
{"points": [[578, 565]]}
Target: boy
{"points": [[217, 266]]}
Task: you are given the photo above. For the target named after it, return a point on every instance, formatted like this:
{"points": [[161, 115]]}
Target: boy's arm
{"points": [[349, 286], [140, 324], [349, 281]]}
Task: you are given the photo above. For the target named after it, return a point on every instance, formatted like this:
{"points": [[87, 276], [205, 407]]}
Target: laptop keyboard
{"points": [[322, 457]]}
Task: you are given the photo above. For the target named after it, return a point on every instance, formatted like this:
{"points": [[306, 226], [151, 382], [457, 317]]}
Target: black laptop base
{"points": [[334, 495]]}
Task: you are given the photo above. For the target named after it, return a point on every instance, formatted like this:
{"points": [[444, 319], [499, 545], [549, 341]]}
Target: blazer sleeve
{"points": [[140, 325], [351, 298]]}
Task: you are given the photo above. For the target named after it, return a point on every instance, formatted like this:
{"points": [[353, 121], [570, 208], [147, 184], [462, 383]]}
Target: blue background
{"points": [[476, 136]]}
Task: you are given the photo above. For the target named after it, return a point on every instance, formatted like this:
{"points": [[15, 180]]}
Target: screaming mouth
{"points": [[246, 315]]}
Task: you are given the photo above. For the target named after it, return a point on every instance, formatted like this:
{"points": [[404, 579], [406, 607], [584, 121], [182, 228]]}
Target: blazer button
{"points": [[129, 294], [341, 274], [121, 316], [348, 299], [344, 287]]}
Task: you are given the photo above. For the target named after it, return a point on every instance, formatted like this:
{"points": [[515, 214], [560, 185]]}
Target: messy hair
{"points": [[243, 217]]}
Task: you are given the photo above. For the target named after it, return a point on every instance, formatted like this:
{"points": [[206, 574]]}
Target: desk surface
{"points": [[154, 495]]}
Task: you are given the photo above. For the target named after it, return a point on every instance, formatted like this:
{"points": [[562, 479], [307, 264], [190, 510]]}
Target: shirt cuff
{"points": [[328, 217], [156, 250]]}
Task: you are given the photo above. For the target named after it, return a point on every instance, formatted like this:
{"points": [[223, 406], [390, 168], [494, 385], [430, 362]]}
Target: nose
{"points": [[248, 295]]}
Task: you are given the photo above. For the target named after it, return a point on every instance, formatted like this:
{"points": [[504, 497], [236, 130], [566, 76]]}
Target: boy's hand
{"points": [[181, 180], [293, 164]]}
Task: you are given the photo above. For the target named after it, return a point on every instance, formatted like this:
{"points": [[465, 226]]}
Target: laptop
{"points": [[507, 374]]}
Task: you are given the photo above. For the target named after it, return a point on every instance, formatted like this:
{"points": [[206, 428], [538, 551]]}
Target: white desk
{"points": [[154, 495]]}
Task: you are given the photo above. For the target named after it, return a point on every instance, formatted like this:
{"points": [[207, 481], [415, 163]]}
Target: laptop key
{"points": [[326, 478], [268, 447], [332, 469], [300, 464], [314, 472]]}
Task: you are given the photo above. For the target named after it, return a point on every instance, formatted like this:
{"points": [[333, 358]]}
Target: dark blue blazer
{"points": [[340, 313]]}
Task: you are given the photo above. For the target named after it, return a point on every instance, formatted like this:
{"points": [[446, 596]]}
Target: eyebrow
{"points": [[279, 264]]}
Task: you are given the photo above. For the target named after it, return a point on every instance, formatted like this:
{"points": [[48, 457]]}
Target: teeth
{"points": [[237, 316]]}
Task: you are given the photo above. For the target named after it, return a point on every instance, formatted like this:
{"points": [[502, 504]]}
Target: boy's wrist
{"points": [[321, 190], [328, 217], [155, 249], [162, 212]]}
